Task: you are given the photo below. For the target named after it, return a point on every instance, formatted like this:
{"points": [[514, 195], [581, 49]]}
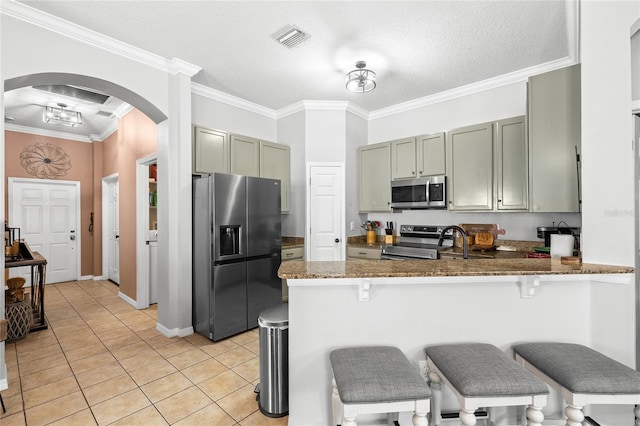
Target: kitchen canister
{"points": [[561, 245]]}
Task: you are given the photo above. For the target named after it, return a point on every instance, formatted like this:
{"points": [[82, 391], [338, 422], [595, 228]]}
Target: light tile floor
{"points": [[102, 362]]}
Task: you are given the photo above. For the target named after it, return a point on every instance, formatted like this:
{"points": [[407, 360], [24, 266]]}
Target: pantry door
{"points": [[47, 213], [325, 212]]}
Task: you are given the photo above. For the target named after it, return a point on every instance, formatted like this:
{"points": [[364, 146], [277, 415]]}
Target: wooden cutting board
{"points": [[481, 247]]}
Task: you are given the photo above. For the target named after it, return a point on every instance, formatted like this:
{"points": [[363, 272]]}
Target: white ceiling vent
{"points": [[290, 36]]}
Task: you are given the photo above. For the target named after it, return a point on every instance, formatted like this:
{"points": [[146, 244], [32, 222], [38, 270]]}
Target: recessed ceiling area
{"points": [[416, 48]]}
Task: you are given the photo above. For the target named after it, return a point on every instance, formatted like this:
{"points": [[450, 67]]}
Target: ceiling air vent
{"points": [[290, 36]]}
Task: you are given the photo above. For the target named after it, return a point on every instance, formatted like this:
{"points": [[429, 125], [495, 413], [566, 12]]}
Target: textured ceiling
{"points": [[417, 48]]}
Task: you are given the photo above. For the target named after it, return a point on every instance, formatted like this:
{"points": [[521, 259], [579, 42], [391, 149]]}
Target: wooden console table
{"points": [[38, 269]]}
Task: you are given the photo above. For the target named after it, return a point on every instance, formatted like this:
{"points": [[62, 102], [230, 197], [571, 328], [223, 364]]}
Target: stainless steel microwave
{"points": [[423, 193]]}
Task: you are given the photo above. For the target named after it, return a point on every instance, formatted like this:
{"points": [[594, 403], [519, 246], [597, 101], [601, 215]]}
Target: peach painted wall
{"points": [[136, 138], [81, 155]]}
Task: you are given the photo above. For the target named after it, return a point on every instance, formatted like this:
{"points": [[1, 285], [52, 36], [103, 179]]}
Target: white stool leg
{"points": [[349, 416], [436, 397], [467, 417], [575, 416], [420, 413], [336, 404], [534, 416]]}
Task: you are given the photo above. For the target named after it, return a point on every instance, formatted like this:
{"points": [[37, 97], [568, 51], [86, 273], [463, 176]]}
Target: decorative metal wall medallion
{"points": [[45, 161]]}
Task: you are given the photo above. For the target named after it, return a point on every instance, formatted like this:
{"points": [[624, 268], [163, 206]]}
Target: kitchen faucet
{"points": [[465, 244]]}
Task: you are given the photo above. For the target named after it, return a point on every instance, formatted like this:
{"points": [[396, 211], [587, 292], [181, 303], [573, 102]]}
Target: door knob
{"points": [[117, 236], [337, 240]]}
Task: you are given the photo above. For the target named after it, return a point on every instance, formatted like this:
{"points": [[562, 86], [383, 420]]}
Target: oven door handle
{"points": [[428, 184]]}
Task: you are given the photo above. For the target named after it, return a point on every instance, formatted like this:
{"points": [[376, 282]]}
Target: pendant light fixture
{"points": [[361, 80], [61, 115]]}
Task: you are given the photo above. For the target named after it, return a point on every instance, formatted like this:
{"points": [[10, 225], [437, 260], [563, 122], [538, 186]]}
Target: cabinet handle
{"points": [[361, 253], [420, 172], [288, 255], [413, 173]]}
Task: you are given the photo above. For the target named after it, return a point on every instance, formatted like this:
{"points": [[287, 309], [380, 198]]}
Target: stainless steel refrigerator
{"points": [[236, 252]]}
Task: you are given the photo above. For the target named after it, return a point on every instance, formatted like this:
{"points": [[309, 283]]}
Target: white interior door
{"points": [[113, 231], [46, 211], [325, 214]]}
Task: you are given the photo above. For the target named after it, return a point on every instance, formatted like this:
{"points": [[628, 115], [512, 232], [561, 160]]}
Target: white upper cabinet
{"points": [[554, 140], [374, 178], [245, 156], [512, 176], [470, 168], [210, 151]]}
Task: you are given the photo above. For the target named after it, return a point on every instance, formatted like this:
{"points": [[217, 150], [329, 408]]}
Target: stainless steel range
{"points": [[418, 242]]}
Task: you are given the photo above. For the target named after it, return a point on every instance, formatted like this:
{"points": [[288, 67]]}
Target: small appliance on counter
{"points": [[545, 232]]}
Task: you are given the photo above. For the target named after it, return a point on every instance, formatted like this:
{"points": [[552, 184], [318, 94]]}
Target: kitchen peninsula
{"points": [[411, 304]]}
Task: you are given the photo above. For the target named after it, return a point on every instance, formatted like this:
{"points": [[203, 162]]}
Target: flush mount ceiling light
{"points": [[361, 80], [61, 115]]}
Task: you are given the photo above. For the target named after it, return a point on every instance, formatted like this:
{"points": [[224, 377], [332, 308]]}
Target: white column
{"points": [[174, 207]]}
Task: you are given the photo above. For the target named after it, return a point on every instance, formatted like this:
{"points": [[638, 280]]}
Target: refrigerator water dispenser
{"points": [[229, 240]]}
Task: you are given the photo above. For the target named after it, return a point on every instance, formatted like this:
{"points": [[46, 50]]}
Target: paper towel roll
{"points": [[561, 245]]}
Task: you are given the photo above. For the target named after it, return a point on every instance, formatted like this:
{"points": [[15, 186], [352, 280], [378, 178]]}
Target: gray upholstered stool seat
{"points": [[377, 379], [582, 375], [481, 375]]}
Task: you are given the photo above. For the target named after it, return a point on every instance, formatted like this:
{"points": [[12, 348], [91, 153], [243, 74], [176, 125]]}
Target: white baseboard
{"points": [[99, 278], [174, 332], [127, 299], [86, 277]]}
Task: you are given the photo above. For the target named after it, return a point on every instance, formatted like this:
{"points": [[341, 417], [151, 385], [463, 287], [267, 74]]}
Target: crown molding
{"points": [[217, 95], [81, 34], [48, 133], [178, 66], [470, 89], [322, 106]]}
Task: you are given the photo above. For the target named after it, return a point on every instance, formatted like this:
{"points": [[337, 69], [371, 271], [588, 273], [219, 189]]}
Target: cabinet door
{"points": [[470, 166], [274, 164], [430, 154], [210, 151], [245, 156], [512, 164], [554, 140], [403, 158], [374, 178]]}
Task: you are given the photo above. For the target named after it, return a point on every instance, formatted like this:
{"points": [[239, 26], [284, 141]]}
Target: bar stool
{"points": [[481, 375], [376, 379], [582, 376]]}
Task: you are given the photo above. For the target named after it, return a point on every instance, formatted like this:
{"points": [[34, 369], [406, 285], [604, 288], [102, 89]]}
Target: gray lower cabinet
{"points": [[363, 253], [470, 168], [210, 151], [374, 178], [554, 140]]}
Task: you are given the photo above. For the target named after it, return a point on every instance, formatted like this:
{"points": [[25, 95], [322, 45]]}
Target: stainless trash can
{"points": [[273, 389]]}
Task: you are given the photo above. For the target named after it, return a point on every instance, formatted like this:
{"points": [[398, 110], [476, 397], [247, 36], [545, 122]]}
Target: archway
{"points": [[104, 86]]}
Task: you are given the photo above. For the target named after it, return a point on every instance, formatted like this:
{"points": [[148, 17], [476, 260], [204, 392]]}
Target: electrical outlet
{"points": [[423, 369], [353, 225]]}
